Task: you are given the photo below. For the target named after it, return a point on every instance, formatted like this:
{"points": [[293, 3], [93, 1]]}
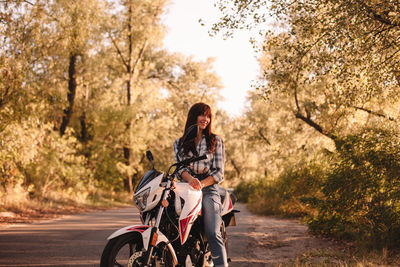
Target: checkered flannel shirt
{"points": [[213, 165]]}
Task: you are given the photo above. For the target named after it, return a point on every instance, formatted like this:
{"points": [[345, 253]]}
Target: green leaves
{"points": [[362, 189], [113, 44], [330, 70]]}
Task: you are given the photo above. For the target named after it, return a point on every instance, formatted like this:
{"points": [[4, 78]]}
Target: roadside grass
{"points": [[346, 257], [29, 209]]}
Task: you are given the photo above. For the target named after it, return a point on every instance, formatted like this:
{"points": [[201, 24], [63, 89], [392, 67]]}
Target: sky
{"points": [[236, 61]]}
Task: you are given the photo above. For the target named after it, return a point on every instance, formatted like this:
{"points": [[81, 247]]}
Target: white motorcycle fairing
{"points": [[154, 190], [227, 205], [145, 232], [191, 209]]}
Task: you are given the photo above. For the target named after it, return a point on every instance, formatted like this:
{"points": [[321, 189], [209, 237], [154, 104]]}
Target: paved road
{"points": [[78, 240]]}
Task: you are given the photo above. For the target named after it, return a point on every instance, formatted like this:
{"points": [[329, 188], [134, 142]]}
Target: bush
{"points": [[361, 195], [285, 194], [37, 163], [244, 190], [352, 193]]}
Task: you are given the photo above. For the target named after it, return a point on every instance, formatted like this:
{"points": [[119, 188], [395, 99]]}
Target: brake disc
{"points": [[133, 259]]}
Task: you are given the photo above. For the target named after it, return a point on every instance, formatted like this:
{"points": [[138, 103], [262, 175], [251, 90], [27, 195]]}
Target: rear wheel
{"points": [[127, 250]]}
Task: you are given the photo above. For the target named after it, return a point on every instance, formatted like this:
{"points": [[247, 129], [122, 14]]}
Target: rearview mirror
{"points": [[149, 156]]}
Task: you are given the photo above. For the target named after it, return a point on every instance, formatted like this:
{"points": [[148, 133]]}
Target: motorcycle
{"points": [[172, 233]]}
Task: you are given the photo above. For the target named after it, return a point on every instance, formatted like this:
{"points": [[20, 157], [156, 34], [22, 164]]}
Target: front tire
{"points": [[127, 250], [123, 250]]}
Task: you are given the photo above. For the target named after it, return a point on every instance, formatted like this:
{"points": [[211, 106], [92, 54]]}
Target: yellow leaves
{"points": [[31, 148], [125, 169], [18, 143], [42, 158]]}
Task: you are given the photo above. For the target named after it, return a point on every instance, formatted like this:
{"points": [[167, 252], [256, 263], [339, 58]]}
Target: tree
{"points": [[333, 65], [334, 59], [135, 36], [19, 31], [89, 87]]}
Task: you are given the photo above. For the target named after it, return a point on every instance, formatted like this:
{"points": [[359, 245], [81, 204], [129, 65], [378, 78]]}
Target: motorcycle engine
{"points": [[192, 247]]}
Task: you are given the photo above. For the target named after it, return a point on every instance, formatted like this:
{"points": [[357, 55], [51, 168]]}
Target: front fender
{"points": [[145, 232], [127, 229]]}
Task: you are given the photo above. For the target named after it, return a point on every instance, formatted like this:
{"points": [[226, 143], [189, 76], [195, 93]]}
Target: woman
{"points": [[205, 175]]}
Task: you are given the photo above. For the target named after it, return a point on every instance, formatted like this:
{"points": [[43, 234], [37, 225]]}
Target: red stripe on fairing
{"points": [[230, 204], [198, 203], [185, 222], [139, 229], [184, 225]]}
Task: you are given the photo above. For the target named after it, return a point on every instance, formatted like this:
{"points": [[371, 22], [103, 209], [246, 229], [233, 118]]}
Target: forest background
{"points": [[86, 88]]}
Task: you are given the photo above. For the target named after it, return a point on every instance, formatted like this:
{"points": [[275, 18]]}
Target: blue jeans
{"points": [[212, 222]]}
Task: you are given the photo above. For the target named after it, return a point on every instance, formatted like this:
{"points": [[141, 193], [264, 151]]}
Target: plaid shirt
{"points": [[213, 165]]}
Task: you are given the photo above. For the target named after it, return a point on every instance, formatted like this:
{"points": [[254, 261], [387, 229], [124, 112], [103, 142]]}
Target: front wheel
{"points": [[127, 250]]}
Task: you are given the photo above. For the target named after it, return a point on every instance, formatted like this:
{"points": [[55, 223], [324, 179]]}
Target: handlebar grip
{"points": [[201, 157], [198, 158]]}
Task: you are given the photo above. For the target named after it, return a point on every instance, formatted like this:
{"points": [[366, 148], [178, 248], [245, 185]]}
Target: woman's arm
{"points": [[193, 182], [184, 173], [207, 181], [217, 175], [217, 167]]}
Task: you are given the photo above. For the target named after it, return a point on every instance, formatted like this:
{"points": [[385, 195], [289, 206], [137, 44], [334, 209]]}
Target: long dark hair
{"points": [[195, 111]]}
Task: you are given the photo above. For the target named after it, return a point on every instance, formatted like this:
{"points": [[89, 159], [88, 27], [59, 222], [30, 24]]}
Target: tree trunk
{"points": [[84, 136], [71, 93], [84, 129], [130, 63], [127, 150]]}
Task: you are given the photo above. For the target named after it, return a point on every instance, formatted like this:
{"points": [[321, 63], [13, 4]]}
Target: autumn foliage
{"points": [[86, 87], [328, 125]]}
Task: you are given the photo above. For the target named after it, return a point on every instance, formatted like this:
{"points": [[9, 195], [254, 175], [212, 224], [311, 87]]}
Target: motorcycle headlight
{"points": [[141, 199]]}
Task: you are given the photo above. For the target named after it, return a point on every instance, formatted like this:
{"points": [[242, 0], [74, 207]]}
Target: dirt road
{"points": [[78, 240], [268, 241]]}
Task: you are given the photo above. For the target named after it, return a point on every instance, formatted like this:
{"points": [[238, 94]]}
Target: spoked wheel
{"points": [[127, 251], [124, 250]]}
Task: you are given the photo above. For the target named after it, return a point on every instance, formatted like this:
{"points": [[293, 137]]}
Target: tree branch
{"points": [[233, 164], [263, 137], [388, 58], [118, 50], [298, 113], [375, 113], [139, 57], [299, 69], [28, 2], [173, 85], [316, 126], [378, 17]]}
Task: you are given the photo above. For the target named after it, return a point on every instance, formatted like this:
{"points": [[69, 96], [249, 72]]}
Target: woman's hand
{"points": [[196, 184]]}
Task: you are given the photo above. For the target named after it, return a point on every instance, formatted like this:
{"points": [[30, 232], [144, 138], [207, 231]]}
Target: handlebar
{"points": [[190, 160], [186, 162]]}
